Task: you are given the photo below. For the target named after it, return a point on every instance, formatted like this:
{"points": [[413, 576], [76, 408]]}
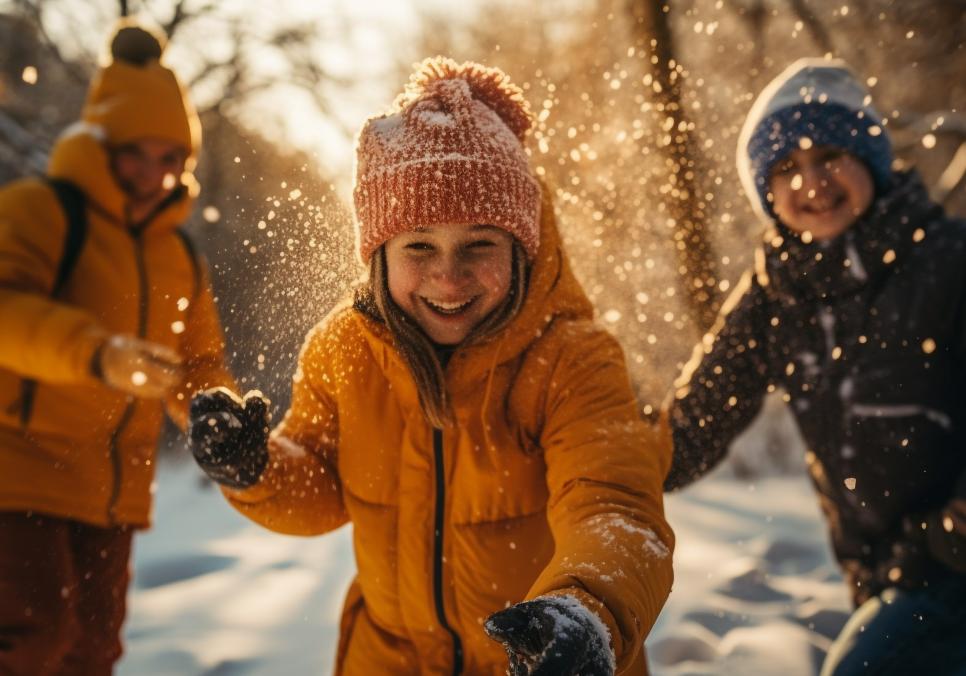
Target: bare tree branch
{"points": [[183, 14], [953, 177], [697, 269], [176, 19], [910, 132], [814, 26], [32, 11], [913, 125]]}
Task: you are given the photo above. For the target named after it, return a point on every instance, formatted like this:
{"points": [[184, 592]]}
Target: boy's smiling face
{"points": [[449, 277], [148, 169], [820, 190]]}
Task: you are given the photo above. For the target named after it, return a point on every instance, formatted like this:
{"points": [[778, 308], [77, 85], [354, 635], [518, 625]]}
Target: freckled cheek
{"points": [[494, 277], [781, 191], [862, 193], [782, 204], [404, 281]]}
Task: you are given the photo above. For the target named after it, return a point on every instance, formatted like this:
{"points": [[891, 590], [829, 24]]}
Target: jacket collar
{"points": [[873, 246]]}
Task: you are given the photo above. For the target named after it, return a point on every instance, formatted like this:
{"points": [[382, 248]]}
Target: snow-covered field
{"points": [[213, 593], [756, 590], [755, 593]]}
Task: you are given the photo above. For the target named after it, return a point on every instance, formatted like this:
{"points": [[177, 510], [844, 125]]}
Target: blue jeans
{"points": [[905, 632]]}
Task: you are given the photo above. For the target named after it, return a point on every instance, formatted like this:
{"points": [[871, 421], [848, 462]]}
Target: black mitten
{"points": [[552, 635], [228, 436]]}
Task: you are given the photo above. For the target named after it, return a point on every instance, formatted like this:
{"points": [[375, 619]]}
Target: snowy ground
{"points": [[755, 590], [215, 594]]}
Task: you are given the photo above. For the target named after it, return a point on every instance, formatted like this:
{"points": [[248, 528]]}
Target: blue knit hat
{"points": [[816, 99]]}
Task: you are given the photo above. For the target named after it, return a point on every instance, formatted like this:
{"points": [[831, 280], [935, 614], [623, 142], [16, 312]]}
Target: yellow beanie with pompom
{"points": [[135, 96], [450, 151]]}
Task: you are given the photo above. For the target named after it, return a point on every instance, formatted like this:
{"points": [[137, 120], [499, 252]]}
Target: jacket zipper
{"points": [[438, 551], [115, 449], [136, 230]]}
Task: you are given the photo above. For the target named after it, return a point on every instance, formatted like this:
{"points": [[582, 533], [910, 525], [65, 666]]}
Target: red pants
{"points": [[62, 595]]}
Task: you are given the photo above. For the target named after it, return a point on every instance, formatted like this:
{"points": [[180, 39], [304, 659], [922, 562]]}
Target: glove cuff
{"points": [[238, 475]]}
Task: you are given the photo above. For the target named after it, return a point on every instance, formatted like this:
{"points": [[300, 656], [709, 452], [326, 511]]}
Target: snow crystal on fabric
{"points": [[436, 117], [856, 267], [385, 126], [605, 525], [902, 411], [564, 623], [289, 447], [446, 157]]}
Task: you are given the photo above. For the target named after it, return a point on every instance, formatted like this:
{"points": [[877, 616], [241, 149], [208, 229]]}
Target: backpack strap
{"points": [[74, 205], [189, 246]]}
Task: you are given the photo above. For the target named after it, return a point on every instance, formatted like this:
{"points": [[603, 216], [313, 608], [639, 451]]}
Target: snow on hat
{"points": [[450, 151], [134, 96], [818, 99]]}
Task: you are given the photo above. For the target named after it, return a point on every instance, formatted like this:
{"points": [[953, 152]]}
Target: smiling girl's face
{"points": [[821, 190], [449, 277]]}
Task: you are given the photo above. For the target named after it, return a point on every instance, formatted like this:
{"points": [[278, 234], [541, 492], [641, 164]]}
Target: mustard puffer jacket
{"points": [[550, 483], [87, 451]]}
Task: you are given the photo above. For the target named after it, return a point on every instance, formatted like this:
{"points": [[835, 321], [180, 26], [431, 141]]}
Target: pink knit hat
{"points": [[450, 151]]}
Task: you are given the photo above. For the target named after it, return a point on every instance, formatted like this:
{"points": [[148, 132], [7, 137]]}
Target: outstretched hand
{"points": [[552, 635], [228, 436], [138, 367]]}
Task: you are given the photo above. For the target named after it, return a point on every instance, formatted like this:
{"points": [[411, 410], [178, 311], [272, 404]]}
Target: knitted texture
{"points": [[135, 96], [816, 99], [450, 151]]}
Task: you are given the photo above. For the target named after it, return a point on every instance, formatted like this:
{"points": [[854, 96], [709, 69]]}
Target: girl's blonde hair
{"points": [[417, 349]]}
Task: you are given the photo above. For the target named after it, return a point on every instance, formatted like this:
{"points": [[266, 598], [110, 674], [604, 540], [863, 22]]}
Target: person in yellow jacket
{"points": [[91, 354], [465, 414]]}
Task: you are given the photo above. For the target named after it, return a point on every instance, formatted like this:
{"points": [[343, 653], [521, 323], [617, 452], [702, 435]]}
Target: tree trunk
{"points": [[697, 269]]}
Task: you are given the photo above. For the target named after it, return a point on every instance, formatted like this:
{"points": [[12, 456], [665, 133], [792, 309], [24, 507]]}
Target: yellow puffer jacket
{"points": [[550, 483], [87, 451]]}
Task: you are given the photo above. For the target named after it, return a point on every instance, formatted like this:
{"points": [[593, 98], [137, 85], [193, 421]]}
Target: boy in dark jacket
{"points": [[856, 308]]}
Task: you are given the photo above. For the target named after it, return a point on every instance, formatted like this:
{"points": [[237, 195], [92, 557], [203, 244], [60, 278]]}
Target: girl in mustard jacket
{"points": [[465, 414]]}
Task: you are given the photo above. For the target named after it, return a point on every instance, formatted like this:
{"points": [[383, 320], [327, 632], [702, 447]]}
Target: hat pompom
{"points": [[490, 86], [136, 45]]}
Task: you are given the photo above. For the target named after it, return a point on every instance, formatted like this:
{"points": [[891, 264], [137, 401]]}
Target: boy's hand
{"points": [[138, 367], [551, 635], [228, 436]]}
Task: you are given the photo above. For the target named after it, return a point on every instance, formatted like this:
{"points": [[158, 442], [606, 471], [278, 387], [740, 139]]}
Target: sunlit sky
{"points": [[361, 36], [362, 40]]}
